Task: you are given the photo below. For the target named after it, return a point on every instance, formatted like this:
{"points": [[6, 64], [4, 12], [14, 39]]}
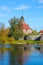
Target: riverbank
{"points": [[22, 42]]}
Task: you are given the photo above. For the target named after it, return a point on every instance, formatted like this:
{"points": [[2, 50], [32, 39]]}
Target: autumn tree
{"points": [[4, 32], [20, 26]]}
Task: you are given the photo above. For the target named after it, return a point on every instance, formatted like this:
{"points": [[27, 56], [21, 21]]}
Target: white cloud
{"points": [[10, 3], [40, 7], [4, 8], [40, 1], [21, 7], [2, 15], [34, 1]]}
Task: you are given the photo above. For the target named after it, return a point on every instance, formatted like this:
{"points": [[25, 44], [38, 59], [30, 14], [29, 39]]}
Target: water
{"points": [[21, 56]]}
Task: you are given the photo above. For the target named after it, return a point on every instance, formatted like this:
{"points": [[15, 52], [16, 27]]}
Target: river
{"points": [[21, 56]]}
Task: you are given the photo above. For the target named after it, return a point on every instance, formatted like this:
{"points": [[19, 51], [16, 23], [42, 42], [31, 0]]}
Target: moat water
{"points": [[21, 56]]}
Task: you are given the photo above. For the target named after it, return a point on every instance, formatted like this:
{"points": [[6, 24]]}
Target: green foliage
{"points": [[16, 27], [3, 34], [13, 26], [3, 40], [35, 32], [16, 31]]}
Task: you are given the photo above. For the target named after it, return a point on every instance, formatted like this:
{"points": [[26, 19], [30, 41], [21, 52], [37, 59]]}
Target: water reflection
{"points": [[41, 49], [20, 56]]}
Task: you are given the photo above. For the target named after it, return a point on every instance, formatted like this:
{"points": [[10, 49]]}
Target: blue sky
{"points": [[32, 12]]}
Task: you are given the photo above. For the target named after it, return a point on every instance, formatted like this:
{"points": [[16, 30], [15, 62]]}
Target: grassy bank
{"points": [[12, 41]]}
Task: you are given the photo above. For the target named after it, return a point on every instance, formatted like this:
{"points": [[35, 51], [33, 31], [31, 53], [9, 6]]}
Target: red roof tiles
{"points": [[41, 31], [25, 26]]}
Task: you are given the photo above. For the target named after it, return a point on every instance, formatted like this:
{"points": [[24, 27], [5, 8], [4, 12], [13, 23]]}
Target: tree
{"points": [[35, 32], [3, 34], [20, 26], [16, 27], [2, 30], [13, 26]]}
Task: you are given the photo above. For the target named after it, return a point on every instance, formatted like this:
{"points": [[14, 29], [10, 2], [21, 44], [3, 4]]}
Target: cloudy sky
{"points": [[32, 12]]}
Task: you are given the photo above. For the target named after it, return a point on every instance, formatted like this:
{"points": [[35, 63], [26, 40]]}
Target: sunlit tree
{"points": [[15, 27]]}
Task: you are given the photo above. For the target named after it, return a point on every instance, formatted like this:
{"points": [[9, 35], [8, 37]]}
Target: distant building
{"points": [[41, 32], [26, 28]]}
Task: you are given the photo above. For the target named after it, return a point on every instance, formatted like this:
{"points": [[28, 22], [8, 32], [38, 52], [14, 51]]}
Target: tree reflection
{"points": [[18, 55], [41, 48], [11, 57], [15, 56]]}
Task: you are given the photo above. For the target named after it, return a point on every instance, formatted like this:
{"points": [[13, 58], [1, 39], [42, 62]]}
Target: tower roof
{"points": [[22, 17], [25, 26]]}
